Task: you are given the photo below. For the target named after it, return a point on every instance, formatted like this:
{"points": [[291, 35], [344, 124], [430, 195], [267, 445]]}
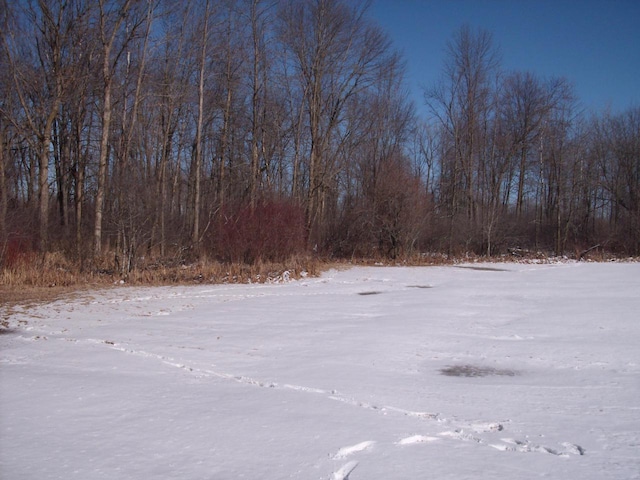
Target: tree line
{"points": [[246, 130]]}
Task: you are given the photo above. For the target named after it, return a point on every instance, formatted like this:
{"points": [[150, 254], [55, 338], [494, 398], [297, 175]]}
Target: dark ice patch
{"points": [[476, 371], [483, 269]]}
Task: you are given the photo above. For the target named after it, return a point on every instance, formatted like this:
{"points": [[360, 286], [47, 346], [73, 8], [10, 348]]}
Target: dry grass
{"points": [[54, 276]]}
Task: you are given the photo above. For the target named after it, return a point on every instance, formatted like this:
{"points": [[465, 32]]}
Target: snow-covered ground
{"points": [[502, 371]]}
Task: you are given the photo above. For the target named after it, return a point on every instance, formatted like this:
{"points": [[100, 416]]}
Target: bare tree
{"points": [[112, 16], [424, 151], [4, 144], [197, 145], [131, 218], [383, 119], [170, 86], [41, 81], [3, 188], [555, 181], [462, 103], [616, 151], [336, 51], [524, 105]]}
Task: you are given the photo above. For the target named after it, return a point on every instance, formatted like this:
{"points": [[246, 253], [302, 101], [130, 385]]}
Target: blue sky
{"points": [[594, 44]]}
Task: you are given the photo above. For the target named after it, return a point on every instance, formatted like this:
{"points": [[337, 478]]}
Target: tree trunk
{"points": [[43, 180], [103, 159], [523, 166], [3, 192], [195, 233], [107, 71], [255, 105]]}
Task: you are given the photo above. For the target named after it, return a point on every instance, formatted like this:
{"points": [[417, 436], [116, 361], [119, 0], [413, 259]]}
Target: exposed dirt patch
{"points": [[477, 371], [6, 330], [369, 293], [419, 286]]}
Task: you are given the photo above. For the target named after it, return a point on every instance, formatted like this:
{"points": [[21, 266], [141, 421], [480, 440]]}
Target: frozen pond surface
{"points": [[496, 371]]}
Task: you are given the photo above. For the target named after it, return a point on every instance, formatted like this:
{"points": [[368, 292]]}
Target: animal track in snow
{"points": [[409, 413], [572, 448], [466, 431], [486, 427], [417, 439], [358, 447], [507, 445], [460, 435], [343, 472], [512, 445]]}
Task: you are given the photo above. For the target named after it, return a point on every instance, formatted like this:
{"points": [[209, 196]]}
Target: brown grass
{"points": [[54, 276]]}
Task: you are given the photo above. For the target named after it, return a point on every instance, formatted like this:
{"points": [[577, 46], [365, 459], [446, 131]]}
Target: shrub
{"points": [[271, 231], [18, 250]]}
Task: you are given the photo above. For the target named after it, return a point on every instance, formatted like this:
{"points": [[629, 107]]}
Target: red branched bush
{"points": [[272, 231], [18, 250]]}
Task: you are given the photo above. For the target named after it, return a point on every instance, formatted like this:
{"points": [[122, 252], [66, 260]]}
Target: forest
{"points": [[135, 132]]}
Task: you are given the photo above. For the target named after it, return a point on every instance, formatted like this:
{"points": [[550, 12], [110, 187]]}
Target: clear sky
{"points": [[595, 44]]}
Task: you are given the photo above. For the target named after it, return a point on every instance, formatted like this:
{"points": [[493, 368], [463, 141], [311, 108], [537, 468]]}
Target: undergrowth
{"points": [[54, 270]]}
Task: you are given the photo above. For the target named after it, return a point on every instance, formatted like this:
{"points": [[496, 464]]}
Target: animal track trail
{"points": [[450, 430], [334, 395], [482, 433]]}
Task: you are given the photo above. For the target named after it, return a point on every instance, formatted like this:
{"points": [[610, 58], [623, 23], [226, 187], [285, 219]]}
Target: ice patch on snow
{"points": [[476, 371]]}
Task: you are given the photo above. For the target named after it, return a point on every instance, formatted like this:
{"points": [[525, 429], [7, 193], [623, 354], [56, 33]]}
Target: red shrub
{"points": [[271, 231], [17, 251]]}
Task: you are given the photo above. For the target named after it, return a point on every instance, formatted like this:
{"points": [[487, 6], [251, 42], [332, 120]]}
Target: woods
{"points": [[250, 130]]}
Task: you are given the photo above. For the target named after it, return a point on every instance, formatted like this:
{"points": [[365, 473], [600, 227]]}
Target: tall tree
{"points": [[197, 145], [336, 53], [4, 110], [462, 103], [172, 65], [41, 73], [616, 150], [112, 17], [258, 13], [526, 105], [131, 216]]}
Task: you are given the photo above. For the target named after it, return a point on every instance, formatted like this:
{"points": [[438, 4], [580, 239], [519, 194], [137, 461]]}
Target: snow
{"points": [[484, 372]]}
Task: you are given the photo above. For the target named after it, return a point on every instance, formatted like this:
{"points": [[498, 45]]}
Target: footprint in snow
{"points": [[359, 447], [417, 439], [343, 472], [513, 445]]}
